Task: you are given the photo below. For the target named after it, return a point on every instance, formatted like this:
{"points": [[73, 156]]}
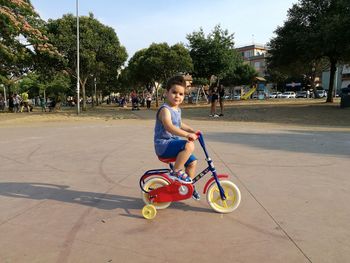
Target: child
{"points": [[168, 130]]}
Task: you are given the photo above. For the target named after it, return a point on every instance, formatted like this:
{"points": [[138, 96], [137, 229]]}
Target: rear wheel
{"points": [[150, 185], [232, 193]]}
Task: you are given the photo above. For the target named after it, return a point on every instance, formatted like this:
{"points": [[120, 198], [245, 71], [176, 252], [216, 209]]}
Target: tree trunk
{"points": [[157, 87], [331, 80]]}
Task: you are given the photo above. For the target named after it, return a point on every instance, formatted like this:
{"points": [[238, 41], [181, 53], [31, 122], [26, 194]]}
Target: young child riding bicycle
{"points": [[168, 130]]}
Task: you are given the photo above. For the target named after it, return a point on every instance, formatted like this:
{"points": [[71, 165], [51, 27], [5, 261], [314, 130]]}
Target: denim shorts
{"points": [[173, 149]]}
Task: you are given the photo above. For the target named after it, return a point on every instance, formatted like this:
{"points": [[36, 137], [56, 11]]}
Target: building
{"points": [[341, 78], [255, 55]]}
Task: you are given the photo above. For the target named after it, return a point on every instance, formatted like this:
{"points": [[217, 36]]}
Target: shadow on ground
{"points": [[62, 193]]}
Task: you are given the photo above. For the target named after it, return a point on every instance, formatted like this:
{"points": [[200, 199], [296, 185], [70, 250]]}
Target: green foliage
{"points": [[60, 84], [213, 54], [154, 65], [200, 81], [314, 30], [101, 54], [243, 74], [29, 84], [157, 63]]}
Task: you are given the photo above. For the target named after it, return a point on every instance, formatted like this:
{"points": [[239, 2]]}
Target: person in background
{"points": [[42, 104], [221, 99], [25, 100], [148, 100], [16, 102], [214, 95]]}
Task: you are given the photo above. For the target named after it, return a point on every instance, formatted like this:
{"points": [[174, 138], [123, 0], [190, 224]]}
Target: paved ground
{"points": [[69, 193]]}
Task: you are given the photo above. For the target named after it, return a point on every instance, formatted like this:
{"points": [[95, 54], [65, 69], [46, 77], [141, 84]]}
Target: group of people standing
{"points": [[20, 103], [216, 93], [16, 102]]}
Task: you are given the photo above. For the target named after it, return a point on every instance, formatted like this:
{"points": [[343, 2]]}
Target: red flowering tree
{"points": [[21, 39]]}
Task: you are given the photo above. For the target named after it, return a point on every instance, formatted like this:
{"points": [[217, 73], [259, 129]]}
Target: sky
{"points": [[139, 23]]}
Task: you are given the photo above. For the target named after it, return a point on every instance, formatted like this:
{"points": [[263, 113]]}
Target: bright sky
{"points": [[139, 23]]}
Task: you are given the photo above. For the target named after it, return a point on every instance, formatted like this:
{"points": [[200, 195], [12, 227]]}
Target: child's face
{"points": [[176, 95]]}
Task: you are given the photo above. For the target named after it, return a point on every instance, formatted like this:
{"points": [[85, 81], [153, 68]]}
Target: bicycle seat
{"points": [[167, 160]]}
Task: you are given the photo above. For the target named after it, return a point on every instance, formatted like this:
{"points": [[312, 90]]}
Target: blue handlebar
{"points": [[202, 143]]}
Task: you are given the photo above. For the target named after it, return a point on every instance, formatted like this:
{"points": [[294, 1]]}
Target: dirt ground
{"points": [[293, 112]]}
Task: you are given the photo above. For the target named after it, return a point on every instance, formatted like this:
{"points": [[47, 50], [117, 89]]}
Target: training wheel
{"points": [[149, 211]]}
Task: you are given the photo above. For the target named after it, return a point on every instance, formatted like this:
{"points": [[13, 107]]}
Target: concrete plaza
{"points": [[69, 193]]}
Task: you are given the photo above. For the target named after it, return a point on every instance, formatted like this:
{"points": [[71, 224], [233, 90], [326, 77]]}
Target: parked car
{"points": [[236, 97], [275, 95], [301, 94], [288, 95], [321, 93]]}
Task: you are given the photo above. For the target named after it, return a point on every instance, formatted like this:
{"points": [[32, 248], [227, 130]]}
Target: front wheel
{"points": [[232, 193], [151, 184]]}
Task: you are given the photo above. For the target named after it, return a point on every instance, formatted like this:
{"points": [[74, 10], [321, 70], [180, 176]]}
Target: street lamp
{"points": [[78, 70]]}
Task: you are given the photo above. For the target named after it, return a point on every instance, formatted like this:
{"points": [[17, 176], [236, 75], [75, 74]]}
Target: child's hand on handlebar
{"points": [[192, 137]]}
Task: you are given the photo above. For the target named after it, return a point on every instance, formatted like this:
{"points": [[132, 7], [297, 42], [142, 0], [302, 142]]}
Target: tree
{"points": [[155, 64], [243, 74], [314, 30], [213, 54], [101, 54], [22, 39]]}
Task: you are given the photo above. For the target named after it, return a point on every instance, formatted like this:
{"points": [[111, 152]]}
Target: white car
{"points": [[236, 97], [322, 93], [275, 95], [288, 95]]}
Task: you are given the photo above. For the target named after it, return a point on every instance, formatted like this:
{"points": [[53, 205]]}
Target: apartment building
{"points": [[255, 55]]}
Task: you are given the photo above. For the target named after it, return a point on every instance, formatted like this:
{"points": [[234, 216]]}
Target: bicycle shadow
{"points": [[62, 193]]}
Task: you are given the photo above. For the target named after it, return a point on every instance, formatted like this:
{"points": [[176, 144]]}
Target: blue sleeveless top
{"points": [[161, 136]]}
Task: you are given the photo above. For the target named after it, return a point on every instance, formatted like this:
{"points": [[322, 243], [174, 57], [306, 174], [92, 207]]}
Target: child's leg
{"points": [[213, 107], [221, 106], [191, 169], [183, 156]]}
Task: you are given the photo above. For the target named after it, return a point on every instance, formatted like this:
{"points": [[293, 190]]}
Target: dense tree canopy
{"points": [[213, 54], [315, 30], [101, 54], [243, 74], [155, 64]]}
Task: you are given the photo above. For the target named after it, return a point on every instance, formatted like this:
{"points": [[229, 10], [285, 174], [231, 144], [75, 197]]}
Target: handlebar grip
{"points": [[198, 133]]}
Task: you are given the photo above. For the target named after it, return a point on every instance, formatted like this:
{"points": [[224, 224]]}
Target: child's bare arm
{"points": [[187, 128], [165, 117]]}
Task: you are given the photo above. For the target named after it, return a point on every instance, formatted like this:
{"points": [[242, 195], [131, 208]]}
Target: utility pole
{"points": [[78, 69]]}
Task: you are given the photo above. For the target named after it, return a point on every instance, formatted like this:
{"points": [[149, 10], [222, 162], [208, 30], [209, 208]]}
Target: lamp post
{"points": [[78, 70]]}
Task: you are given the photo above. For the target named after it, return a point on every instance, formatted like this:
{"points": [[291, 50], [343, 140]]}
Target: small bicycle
{"points": [[159, 190]]}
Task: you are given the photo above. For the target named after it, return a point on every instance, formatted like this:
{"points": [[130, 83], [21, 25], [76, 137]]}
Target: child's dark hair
{"points": [[176, 80]]}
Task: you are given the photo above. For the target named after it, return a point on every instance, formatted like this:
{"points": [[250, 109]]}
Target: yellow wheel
{"points": [[151, 184], [232, 193], [149, 211]]}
